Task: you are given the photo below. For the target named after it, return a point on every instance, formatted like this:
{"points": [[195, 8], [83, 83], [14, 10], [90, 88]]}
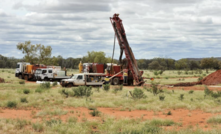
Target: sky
{"points": [[154, 28]]}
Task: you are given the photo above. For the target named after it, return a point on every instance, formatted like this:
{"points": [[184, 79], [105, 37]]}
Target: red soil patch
{"points": [[212, 79], [187, 118]]}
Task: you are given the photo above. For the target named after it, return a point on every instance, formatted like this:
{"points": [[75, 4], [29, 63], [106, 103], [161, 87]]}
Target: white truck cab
{"points": [[20, 68], [87, 79]]}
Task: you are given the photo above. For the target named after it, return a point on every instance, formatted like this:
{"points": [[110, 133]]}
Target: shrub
{"points": [[11, 104], [45, 85], [95, 112], [179, 72], [72, 119], [21, 123], [65, 93], [162, 97], [106, 87], [21, 82], [216, 94], [181, 96], [154, 87], [191, 91], [39, 90], [55, 83], [24, 100], [82, 91], [215, 120], [26, 91], [161, 72], [138, 93], [53, 122], [155, 73], [117, 88], [169, 113], [158, 122], [200, 78], [207, 91], [38, 127]]}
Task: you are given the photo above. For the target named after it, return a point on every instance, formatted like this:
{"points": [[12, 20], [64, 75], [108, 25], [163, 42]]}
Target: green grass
{"points": [[215, 120], [50, 103]]}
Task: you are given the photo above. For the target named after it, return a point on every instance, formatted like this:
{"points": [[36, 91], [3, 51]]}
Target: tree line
{"points": [[40, 54]]}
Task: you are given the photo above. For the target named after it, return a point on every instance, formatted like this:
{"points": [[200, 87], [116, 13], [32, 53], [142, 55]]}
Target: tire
{"points": [[69, 85], [20, 76], [26, 77], [115, 81], [46, 79]]}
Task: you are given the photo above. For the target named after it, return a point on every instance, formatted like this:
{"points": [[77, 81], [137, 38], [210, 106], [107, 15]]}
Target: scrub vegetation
{"points": [[50, 103]]}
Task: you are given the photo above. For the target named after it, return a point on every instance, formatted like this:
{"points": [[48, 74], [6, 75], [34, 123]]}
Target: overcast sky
{"points": [[154, 28]]}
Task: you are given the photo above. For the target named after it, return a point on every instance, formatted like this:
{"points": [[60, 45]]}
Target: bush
{"points": [[216, 94], [200, 78], [207, 91], [45, 85], [39, 90], [21, 82], [162, 97], [181, 96], [24, 100], [106, 87], [169, 113], [82, 91], [191, 91], [11, 104], [154, 87], [38, 127], [95, 112], [53, 122], [55, 83], [26, 91], [118, 88], [155, 73], [138, 93], [161, 72]]}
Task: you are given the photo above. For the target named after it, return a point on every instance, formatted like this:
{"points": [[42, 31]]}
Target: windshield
{"points": [[38, 71], [74, 77]]}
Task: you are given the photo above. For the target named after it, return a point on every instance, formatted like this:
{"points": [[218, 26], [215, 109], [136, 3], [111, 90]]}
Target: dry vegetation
{"points": [[53, 109]]}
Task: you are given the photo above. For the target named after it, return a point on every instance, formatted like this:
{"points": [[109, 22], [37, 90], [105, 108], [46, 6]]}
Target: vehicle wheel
{"points": [[20, 76], [46, 79], [115, 81], [26, 77], [70, 85]]}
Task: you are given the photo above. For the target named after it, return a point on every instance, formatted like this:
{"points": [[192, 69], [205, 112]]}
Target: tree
{"points": [[182, 64], [155, 65], [29, 51], [208, 63], [44, 54], [96, 57], [36, 53]]}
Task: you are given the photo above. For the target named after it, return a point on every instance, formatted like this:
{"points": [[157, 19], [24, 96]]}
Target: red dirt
{"points": [[187, 118], [212, 79]]}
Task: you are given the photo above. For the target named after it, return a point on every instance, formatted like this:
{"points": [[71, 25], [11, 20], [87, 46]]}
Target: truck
{"points": [[84, 79], [25, 70], [53, 73]]}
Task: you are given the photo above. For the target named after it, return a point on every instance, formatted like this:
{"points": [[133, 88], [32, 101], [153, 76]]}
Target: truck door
{"points": [[80, 80], [50, 74]]}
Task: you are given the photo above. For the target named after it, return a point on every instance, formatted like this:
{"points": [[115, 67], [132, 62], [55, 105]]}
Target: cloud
{"points": [[172, 28]]}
